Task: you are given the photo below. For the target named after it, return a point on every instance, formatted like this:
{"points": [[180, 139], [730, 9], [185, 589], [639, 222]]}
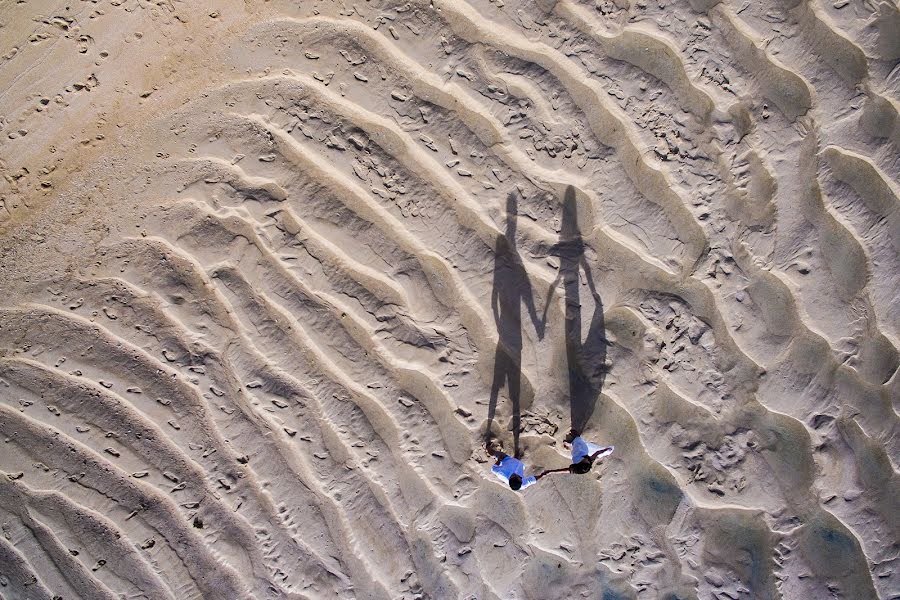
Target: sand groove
{"points": [[360, 236]]}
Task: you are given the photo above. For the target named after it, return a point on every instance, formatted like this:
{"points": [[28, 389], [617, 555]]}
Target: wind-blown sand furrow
{"points": [[397, 306], [205, 573], [403, 153], [403, 372], [366, 458], [470, 137], [822, 534], [361, 203], [822, 541], [227, 477], [844, 246], [741, 540], [620, 207], [259, 441], [90, 534], [352, 242], [772, 296], [781, 455], [264, 313], [73, 331], [688, 358], [168, 341], [730, 178], [149, 445], [838, 258], [847, 244], [400, 378], [650, 487], [808, 376], [183, 295], [880, 119], [323, 323], [69, 404], [834, 52], [788, 91], [874, 516], [249, 376], [98, 348], [78, 579], [162, 559], [866, 25], [335, 259], [712, 420], [414, 490], [606, 122], [805, 374], [646, 49], [273, 273], [812, 30], [454, 98], [297, 244], [447, 283], [287, 383], [431, 210], [182, 403], [456, 101], [876, 220], [702, 163], [392, 317], [20, 576]]}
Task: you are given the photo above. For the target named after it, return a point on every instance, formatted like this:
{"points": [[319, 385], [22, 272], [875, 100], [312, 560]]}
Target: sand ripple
{"points": [[350, 239]]}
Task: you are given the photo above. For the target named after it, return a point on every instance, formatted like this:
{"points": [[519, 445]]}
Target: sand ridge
{"points": [[271, 270]]}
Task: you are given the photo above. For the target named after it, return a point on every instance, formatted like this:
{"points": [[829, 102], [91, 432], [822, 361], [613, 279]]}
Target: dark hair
{"points": [[515, 481], [580, 467]]}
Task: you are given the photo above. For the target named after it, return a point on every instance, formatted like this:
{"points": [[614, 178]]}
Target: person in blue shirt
{"points": [[509, 469], [584, 453]]}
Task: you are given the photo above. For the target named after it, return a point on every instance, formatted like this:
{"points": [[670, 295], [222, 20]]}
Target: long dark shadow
{"points": [[586, 358], [511, 288]]}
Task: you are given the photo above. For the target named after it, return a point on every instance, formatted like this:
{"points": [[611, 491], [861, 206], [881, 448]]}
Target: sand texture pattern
{"points": [[271, 270]]}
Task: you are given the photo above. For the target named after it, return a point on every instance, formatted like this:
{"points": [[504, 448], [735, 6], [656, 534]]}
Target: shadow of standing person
{"points": [[586, 359], [511, 287]]}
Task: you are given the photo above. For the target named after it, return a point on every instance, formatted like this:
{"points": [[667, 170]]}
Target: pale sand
{"points": [[259, 291]]}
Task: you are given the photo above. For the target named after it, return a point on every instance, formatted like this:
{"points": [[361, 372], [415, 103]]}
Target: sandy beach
{"points": [[272, 272]]}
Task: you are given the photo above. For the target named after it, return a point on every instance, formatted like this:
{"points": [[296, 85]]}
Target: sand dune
{"points": [[271, 271]]}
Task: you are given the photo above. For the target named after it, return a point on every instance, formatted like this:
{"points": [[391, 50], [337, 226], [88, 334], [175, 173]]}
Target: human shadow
{"points": [[585, 357], [511, 288]]}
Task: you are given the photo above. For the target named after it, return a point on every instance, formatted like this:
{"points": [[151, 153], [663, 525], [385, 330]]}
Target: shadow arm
{"points": [[495, 305], [539, 324], [589, 277], [549, 471], [551, 293]]}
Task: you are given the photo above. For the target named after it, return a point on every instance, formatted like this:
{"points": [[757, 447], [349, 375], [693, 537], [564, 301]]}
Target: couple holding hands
{"points": [[512, 470], [585, 354]]}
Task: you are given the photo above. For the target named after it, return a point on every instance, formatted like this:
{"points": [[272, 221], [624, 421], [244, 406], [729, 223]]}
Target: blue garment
{"points": [[582, 448], [509, 466]]}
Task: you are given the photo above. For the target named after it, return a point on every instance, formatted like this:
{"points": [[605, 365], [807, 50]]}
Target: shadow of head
{"points": [[569, 227], [570, 244]]}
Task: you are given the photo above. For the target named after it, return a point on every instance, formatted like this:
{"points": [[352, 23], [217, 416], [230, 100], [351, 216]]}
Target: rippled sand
{"points": [[271, 270]]}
